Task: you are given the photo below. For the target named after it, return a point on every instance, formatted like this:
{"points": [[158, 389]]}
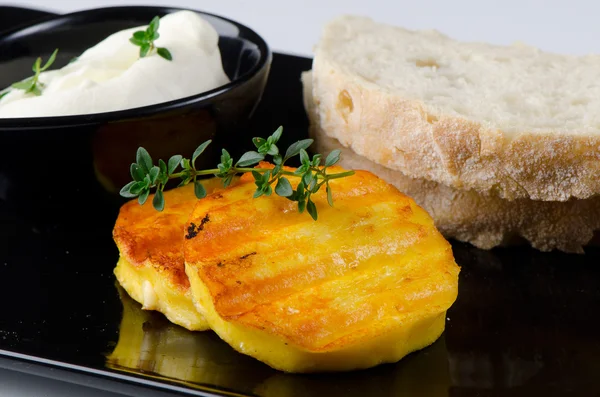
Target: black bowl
{"points": [[55, 154]]}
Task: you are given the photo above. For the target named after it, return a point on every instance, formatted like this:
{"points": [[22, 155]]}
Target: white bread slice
{"points": [[484, 220], [514, 121]]}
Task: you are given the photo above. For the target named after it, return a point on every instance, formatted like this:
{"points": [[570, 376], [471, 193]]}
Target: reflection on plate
{"points": [[149, 344]]}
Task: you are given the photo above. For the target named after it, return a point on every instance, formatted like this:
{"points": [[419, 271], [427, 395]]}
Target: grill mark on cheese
{"points": [[234, 300], [320, 309], [259, 291]]}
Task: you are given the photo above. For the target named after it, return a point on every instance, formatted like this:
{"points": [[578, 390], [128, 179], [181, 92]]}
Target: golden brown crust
{"points": [[483, 220], [370, 263], [147, 237], [405, 136]]}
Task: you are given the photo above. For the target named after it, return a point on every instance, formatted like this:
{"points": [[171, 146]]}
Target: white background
{"points": [[293, 26]]}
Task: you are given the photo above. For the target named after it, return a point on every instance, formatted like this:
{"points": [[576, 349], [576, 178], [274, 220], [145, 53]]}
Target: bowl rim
{"points": [[15, 123]]}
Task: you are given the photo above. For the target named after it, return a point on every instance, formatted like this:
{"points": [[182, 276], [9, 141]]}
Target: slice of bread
{"points": [[511, 121], [482, 219]]}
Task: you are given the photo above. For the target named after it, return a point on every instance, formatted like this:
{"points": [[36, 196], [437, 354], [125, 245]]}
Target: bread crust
{"points": [[407, 136], [482, 219]]}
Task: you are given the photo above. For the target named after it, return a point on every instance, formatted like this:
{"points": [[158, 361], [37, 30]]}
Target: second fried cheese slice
{"points": [[367, 283], [151, 266]]}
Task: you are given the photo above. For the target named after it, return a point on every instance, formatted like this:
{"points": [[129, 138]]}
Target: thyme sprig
{"points": [[145, 40], [312, 174], [32, 84]]}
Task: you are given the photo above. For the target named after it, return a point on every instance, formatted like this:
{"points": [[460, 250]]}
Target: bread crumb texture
{"points": [[510, 121]]}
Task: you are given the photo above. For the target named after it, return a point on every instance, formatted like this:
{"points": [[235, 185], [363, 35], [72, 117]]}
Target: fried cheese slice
{"points": [[151, 267], [367, 283]]}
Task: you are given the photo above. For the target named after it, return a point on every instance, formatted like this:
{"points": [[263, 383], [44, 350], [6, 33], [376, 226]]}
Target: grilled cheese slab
{"points": [[151, 267], [367, 283]]}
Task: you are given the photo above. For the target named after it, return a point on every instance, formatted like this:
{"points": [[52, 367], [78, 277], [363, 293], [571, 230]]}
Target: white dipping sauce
{"points": [[111, 76]]}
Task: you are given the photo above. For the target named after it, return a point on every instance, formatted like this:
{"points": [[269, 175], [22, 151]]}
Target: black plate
{"points": [[525, 323]]}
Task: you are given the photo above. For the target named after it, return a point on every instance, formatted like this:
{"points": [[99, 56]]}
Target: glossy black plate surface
{"points": [[525, 323]]}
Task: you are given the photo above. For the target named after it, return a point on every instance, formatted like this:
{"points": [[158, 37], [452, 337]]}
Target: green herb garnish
{"points": [[32, 84], [313, 176], [145, 40]]}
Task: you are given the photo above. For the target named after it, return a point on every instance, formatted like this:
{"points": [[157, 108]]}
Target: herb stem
{"points": [[311, 173], [213, 171], [241, 170], [339, 175], [32, 85]]}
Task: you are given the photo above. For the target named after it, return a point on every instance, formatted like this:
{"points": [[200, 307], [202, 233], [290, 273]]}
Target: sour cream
{"points": [[111, 76]]}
